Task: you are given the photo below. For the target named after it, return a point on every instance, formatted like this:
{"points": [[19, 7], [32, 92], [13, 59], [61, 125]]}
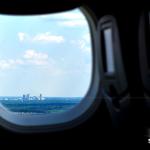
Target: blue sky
{"points": [[48, 54]]}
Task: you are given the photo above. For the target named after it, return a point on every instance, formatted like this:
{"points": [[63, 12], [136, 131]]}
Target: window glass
{"points": [[110, 67], [45, 61]]}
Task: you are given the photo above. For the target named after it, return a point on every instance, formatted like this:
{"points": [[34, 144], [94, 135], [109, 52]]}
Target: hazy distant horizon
{"points": [[49, 96]]}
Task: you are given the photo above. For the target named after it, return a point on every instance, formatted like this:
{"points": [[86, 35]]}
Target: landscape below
{"points": [[45, 105]]}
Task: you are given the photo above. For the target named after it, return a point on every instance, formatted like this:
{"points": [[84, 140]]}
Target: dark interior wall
{"points": [[25, 7], [49, 6], [127, 16]]}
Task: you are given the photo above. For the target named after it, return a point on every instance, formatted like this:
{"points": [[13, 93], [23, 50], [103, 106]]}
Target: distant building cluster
{"points": [[28, 97]]}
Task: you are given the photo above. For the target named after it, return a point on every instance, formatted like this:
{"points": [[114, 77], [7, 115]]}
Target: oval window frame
{"points": [[53, 122]]}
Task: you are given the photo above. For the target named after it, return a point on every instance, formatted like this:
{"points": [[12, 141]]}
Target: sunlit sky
{"points": [[48, 54]]}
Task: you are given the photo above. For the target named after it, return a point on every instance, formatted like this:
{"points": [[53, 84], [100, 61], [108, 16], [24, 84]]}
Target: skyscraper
{"points": [[24, 97], [40, 96], [28, 97]]}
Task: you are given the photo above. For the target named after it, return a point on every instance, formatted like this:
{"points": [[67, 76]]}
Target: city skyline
{"points": [[28, 97]]}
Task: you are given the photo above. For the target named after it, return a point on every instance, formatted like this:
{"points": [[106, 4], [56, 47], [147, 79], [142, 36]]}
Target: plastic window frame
{"points": [[28, 123]]}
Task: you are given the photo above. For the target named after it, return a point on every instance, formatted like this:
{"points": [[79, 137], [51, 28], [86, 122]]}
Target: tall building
{"points": [[40, 96], [28, 97], [24, 97]]}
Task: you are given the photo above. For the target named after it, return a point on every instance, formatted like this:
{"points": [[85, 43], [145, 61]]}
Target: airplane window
{"points": [[107, 35], [45, 62]]}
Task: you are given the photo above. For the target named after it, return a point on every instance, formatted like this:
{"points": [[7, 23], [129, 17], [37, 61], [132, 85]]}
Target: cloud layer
{"points": [[10, 63], [72, 19], [83, 44], [46, 37], [29, 57], [34, 57]]}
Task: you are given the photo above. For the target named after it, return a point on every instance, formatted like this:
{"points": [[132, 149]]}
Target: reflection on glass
{"points": [[45, 62], [109, 51]]}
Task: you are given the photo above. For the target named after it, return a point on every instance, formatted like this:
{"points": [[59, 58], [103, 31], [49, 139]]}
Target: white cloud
{"points": [[64, 16], [46, 37], [83, 44], [22, 36], [32, 54], [70, 16], [10, 63], [34, 57], [86, 37], [4, 64], [19, 61], [37, 62], [40, 60], [69, 19], [30, 57], [73, 23]]}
